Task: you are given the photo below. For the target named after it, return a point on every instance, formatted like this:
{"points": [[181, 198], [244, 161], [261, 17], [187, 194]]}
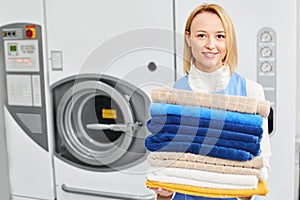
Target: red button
{"points": [[29, 33]]}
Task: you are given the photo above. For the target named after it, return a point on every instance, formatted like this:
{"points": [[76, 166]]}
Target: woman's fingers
{"points": [[162, 192]]}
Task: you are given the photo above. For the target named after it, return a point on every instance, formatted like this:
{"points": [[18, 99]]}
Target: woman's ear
{"points": [[187, 38]]}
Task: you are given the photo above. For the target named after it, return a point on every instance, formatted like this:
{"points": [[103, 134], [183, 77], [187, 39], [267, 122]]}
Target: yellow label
{"points": [[32, 30], [109, 114]]}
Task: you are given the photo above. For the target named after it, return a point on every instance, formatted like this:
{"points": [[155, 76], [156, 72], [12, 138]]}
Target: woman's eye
{"points": [[201, 35], [220, 36]]}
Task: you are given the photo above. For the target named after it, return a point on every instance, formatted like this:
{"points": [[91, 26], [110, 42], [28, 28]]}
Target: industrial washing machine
{"points": [[101, 71], [100, 122]]}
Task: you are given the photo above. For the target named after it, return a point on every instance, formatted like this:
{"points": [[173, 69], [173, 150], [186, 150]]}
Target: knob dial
{"points": [[266, 37], [266, 51], [266, 67]]}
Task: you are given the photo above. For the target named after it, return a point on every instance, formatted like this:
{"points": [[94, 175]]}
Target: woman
{"points": [[210, 58]]}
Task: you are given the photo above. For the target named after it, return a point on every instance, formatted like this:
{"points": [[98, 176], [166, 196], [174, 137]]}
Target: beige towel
{"points": [[217, 101], [256, 162], [206, 167]]}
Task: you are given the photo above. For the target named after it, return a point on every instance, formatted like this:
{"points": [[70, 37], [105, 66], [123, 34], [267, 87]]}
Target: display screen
{"points": [[13, 48]]}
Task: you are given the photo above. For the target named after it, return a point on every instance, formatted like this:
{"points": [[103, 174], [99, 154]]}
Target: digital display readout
{"points": [[13, 48]]}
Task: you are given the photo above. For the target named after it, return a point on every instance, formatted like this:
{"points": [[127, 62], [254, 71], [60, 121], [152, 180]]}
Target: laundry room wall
{"points": [[297, 154]]}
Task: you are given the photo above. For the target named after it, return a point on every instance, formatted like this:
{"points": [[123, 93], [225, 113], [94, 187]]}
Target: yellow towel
{"points": [[261, 189]]}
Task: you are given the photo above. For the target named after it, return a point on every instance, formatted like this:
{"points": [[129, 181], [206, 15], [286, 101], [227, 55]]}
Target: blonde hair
{"points": [[230, 58]]}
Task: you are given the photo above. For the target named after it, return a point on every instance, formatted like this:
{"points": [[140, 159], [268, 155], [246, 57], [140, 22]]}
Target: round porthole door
{"points": [[95, 122]]}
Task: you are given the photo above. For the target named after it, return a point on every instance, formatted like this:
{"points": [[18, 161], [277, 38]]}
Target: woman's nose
{"points": [[210, 43]]}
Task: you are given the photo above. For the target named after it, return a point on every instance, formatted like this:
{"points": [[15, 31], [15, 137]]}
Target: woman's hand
{"points": [[162, 193]]}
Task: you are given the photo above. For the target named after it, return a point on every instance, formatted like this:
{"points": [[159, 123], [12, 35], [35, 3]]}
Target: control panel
{"points": [[266, 68], [22, 70]]}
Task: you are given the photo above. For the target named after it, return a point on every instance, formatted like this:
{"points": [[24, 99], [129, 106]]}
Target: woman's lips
{"points": [[210, 54]]}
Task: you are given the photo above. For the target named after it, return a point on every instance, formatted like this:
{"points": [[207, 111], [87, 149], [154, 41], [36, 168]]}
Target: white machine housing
{"points": [[30, 165], [127, 40]]}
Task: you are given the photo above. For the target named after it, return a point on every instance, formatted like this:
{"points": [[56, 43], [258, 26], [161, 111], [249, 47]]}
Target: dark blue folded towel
{"points": [[205, 113], [215, 124], [201, 131], [201, 149], [253, 148]]}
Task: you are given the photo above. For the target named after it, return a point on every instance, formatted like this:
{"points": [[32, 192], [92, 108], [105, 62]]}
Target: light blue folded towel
{"points": [[205, 113]]}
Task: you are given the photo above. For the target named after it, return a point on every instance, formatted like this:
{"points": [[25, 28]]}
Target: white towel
{"points": [[189, 182], [205, 176]]}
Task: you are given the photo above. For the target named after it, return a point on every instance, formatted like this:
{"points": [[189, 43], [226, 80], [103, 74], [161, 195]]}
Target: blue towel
{"points": [[205, 113], [253, 148], [201, 149], [216, 124], [201, 131]]}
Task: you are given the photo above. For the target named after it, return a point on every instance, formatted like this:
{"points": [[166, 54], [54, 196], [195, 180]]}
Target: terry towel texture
{"points": [[156, 128], [206, 144], [248, 181], [164, 137], [193, 182], [157, 109], [261, 189], [198, 122], [205, 167], [218, 101], [201, 149], [256, 162]]}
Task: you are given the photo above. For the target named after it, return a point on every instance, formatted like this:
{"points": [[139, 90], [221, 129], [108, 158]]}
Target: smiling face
{"points": [[207, 40]]}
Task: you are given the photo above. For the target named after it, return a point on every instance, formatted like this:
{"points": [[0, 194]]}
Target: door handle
{"points": [[113, 195], [115, 127]]}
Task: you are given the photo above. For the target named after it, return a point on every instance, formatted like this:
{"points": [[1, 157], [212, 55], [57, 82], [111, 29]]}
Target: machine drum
{"points": [[95, 123]]}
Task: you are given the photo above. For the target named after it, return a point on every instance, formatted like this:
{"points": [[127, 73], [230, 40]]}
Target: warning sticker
{"points": [[109, 114]]}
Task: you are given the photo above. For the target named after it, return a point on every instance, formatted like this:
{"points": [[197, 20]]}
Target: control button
{"points": [[266, 37], [29, 33], [266, 67], [266, 51], [4, 34]]}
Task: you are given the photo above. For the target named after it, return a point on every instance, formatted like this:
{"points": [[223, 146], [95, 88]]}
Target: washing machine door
{"points": [[95, 122]]}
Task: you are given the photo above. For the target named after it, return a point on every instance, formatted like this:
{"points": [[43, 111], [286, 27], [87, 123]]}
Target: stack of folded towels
{"points": [[206, 144]]}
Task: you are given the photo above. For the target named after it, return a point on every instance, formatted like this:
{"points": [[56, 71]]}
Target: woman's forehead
{"points": [[207, 21]]}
